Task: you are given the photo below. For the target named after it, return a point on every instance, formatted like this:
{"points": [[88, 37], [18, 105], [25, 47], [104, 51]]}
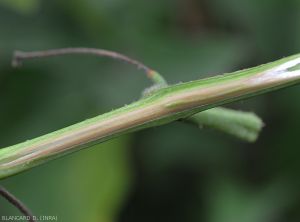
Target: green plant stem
{"points": [[157, 79], [163, 106], [243, 125]]}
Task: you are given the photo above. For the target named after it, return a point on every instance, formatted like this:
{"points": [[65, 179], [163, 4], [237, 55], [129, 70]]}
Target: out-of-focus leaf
{"points": [[234, 202], [102, 178], [21, 6]]}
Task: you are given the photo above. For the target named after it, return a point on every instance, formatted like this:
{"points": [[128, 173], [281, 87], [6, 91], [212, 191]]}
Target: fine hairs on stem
{"points": [[17, 203], [20, 56]]}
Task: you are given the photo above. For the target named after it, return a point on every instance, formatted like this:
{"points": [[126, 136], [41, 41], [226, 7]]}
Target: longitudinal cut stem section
{"points": [[164, 106]]}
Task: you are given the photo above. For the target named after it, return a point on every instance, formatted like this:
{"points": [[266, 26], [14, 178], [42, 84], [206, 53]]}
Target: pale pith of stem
{"points": [[163, 106]]}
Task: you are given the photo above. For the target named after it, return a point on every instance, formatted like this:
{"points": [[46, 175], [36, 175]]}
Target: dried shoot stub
{"points": [[20, 56]]}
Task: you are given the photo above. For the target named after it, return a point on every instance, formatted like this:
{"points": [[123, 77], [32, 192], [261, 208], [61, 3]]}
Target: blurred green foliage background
{"points": [[170, 173]]}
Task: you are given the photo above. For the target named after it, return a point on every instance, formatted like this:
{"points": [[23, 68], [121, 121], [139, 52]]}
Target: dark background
{"points": [[170, 173]]}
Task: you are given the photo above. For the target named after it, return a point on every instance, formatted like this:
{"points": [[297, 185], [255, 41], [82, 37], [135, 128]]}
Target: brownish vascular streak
{"points": [[169, 105]]}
